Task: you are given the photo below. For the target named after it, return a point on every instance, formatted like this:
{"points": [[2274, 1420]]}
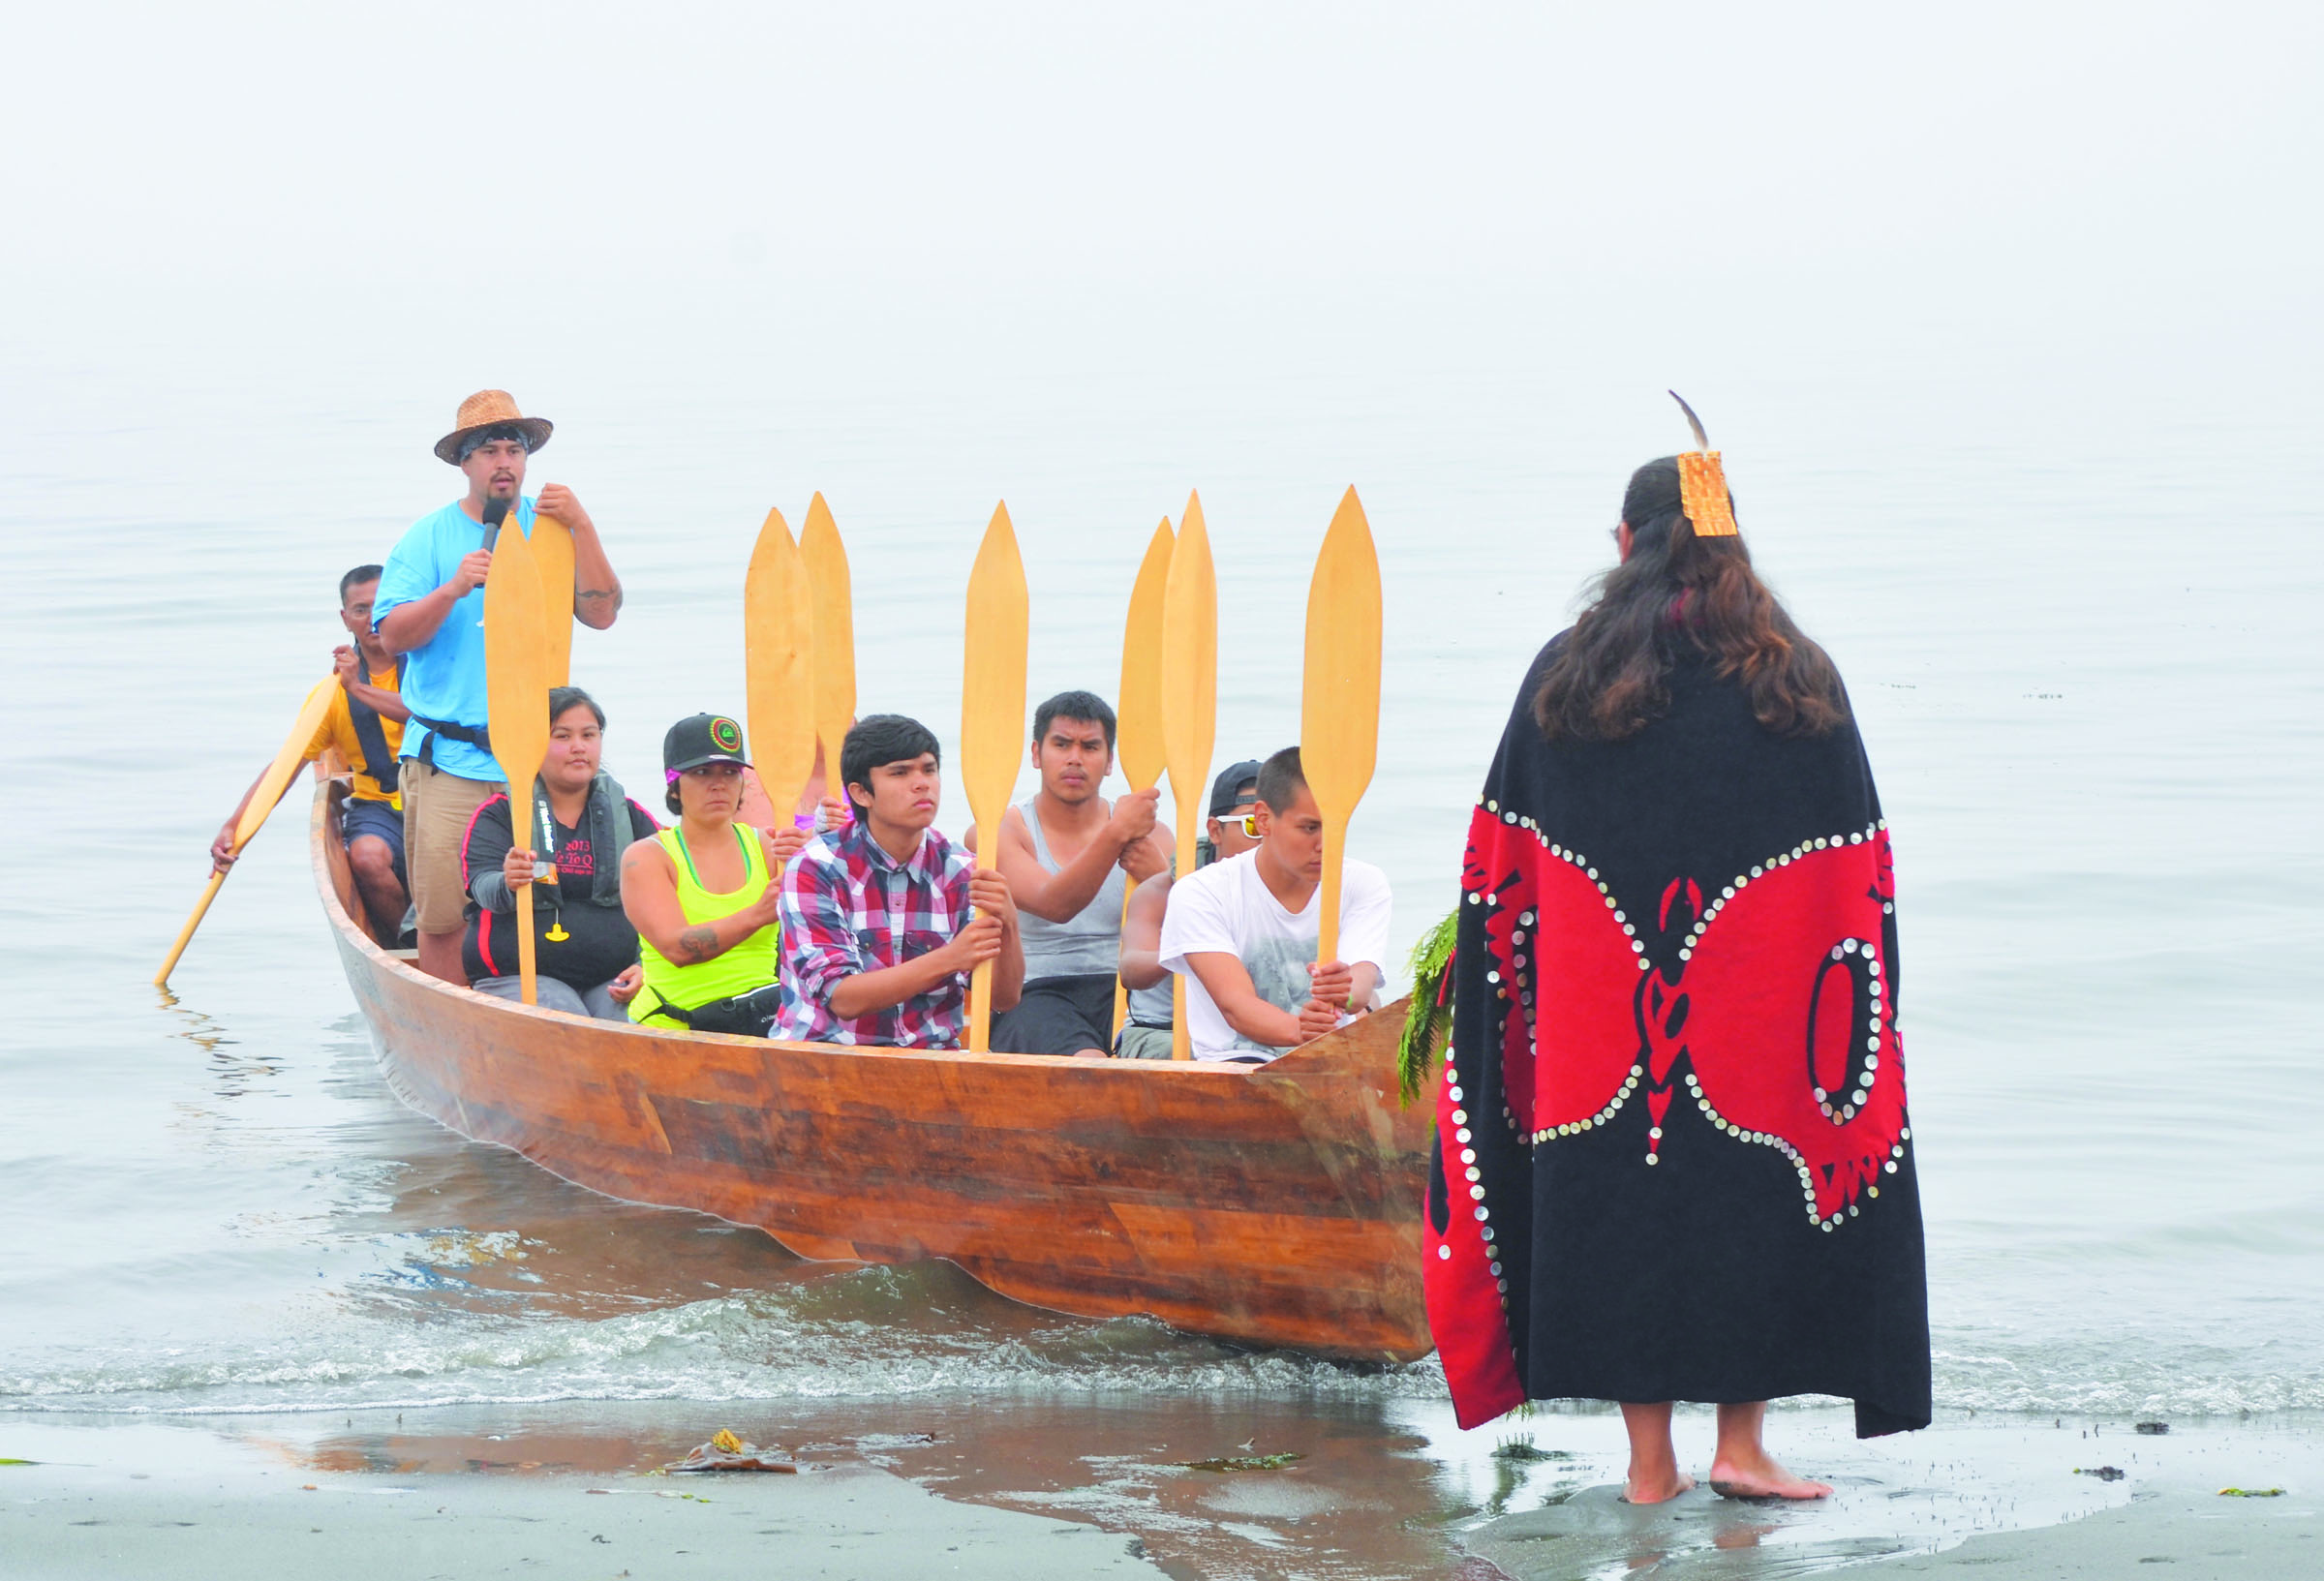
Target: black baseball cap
{"points": [[705, 738], [1227, 790]]}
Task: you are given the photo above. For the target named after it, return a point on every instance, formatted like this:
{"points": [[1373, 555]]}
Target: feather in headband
{"points": [[1702, 483]]}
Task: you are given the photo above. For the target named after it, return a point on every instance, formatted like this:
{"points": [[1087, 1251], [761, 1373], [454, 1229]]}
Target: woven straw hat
{"points": [[490, 408]]}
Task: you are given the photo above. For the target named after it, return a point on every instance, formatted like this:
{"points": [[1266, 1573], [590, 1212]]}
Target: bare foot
{"points": [[1761, 1477], [1654, 1490]]}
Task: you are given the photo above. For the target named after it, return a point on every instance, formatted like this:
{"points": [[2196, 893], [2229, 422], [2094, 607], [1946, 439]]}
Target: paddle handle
{"points": [[185, 934], [525, 979]]}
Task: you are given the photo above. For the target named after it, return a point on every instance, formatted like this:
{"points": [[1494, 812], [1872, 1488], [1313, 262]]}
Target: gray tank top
{"points": [[1081, 945], [1088, 944]]}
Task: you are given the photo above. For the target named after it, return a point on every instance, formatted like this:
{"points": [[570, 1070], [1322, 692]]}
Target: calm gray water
{"points": [[2072, 575]]}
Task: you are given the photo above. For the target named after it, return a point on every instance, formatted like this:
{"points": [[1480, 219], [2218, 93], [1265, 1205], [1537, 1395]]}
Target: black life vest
{"points": [[378, 762]]}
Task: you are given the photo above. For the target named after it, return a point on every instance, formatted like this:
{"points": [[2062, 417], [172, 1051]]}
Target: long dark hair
{"points": [[1679, 595]]}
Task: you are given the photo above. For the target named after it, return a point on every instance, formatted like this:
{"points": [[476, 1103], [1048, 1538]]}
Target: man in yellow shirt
{"points": [[366, 724]]}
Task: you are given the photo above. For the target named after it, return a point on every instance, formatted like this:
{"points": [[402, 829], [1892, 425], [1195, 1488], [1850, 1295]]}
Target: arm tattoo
{"points": [[699, 944], [614, 593]]}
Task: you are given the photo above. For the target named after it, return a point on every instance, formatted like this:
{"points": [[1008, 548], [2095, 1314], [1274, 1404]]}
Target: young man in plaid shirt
{"points": [[877, 941]]}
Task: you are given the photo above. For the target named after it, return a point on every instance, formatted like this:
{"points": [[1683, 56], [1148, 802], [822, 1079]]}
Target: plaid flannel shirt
{"points": [[848, 908]]}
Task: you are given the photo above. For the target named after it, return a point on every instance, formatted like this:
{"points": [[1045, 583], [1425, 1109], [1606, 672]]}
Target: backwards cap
{"points": [[1702, 483]]}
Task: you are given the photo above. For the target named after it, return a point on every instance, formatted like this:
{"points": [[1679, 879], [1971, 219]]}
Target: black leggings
{"points": [[1059, 1016]]}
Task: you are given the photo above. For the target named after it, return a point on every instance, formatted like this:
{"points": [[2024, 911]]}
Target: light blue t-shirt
{"points": [[444, 677]]}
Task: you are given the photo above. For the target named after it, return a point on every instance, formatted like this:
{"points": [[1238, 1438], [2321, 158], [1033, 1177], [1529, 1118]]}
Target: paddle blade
{"points": [[778, 654], [1189, 696], [1190, 656], [993, 713], [834, 649], [1138, 730], [553, 551], [1339, 703], [516, 663]]}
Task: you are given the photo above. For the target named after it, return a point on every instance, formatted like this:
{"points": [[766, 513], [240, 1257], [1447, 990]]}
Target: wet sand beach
{"points": [[1126, 1488], [248, 1521]]}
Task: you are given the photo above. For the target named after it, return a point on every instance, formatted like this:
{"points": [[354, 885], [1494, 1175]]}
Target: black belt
{"points": [[473, 735]]}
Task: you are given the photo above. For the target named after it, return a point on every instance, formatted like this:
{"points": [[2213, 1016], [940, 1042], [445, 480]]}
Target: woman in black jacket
{"points": [[577, 825]]}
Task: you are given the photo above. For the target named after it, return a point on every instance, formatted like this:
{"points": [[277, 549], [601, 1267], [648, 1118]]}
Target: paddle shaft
{"points": [[1326, 930], [980, 994], [1181, 1036], [185, 934], [264, 795], [530, 984], [1121, 990]]}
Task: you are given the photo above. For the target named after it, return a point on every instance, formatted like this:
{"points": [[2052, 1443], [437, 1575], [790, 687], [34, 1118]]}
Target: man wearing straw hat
{"points": [[431, 606]]}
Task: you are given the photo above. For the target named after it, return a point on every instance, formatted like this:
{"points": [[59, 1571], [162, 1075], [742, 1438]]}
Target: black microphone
{"points": [[496, 511]]}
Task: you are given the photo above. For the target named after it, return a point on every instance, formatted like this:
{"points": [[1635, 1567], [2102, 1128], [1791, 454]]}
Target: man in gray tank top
{"points": [[1067, 855]]}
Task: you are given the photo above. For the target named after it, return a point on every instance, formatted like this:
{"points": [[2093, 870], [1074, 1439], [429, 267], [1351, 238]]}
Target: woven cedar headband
{"points": [[1702, 483]]}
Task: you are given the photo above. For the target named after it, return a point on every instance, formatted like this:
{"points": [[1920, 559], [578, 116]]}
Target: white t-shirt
{"points": [[1228, 908]]}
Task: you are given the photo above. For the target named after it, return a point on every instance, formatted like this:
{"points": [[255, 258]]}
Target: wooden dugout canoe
{"points": [[1276, 1204]]}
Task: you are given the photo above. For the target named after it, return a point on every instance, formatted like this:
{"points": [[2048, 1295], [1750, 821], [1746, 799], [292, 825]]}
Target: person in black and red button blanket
{"points": [[1673, 1157], [579, 824]]}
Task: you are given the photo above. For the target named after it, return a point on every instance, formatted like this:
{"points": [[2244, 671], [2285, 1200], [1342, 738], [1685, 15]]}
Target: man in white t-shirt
{"points": [[1244, 931]]}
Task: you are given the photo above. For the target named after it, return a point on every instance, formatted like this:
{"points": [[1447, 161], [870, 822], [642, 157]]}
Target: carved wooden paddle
{"points": [[516, 698], [1189, 703], [833, 661], [778, 640], [553, 551], [1138, 717], [1339, 700], [992, 716], [262, 797]]}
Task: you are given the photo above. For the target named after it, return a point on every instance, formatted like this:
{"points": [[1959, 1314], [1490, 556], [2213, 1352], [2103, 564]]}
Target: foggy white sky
{"points": [[2091, 150], [1962, 288]]}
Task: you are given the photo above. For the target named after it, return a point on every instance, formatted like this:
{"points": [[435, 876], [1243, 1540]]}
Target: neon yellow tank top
{"points": [[750, 964]]}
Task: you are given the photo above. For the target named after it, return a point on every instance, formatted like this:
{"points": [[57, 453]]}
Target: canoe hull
{"points": [[1276, 1204]]}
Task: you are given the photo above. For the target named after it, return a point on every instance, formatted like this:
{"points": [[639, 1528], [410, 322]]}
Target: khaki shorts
{"points": [[437, 808], [1145, 1042]]}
